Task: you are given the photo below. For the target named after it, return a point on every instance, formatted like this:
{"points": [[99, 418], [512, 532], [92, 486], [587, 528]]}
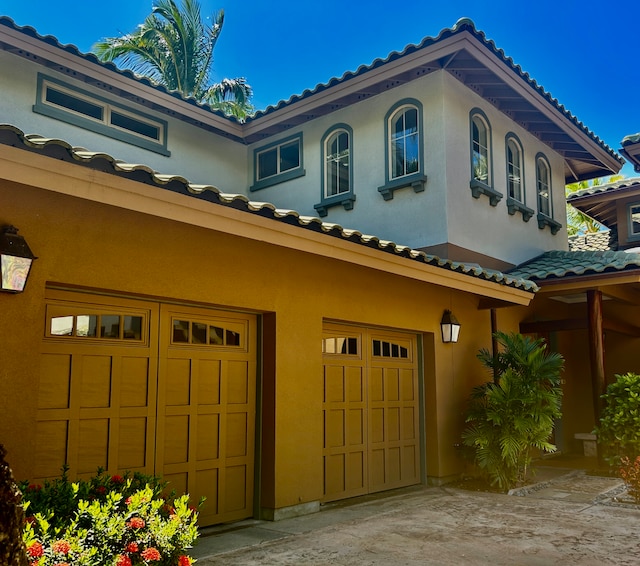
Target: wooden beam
{"points": [[625, 294], [596, 350], [621, 327], [546, 326]]}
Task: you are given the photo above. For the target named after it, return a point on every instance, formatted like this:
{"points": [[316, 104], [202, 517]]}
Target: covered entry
{"points": [[371, 411], [130, 385]]}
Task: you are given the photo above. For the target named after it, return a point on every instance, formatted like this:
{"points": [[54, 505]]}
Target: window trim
{"points": [[513, 204], [416, 180], [477, 186], [347, 198], [104, 126], [545, 219], [279, 177], [631, 235]]}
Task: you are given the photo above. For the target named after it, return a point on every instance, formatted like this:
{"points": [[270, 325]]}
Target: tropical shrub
{"points": [[619, 428], [514, 413], [630, 474], [107, 521]]}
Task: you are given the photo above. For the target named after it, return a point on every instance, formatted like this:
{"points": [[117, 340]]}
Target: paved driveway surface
{"points": [[568, 521]]}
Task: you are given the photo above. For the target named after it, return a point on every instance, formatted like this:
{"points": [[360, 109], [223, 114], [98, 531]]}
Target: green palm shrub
{"points": [[619, 428], [514, 413]]}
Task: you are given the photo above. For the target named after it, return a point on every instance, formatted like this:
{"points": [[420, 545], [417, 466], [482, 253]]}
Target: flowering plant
{"points": [[107, 521]]}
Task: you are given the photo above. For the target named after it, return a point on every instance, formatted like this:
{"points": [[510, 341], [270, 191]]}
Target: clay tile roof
{"points": [[598, 241], [558, 264], [59, 149]]}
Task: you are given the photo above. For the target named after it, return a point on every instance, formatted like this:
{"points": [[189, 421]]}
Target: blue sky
{"points": [[582, 52]]}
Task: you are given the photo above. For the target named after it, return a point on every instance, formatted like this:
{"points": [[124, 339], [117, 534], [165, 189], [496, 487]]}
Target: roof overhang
{"points": [[135, 190]]}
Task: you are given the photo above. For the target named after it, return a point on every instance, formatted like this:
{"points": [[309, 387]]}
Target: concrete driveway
{"points": [[571, 518]]}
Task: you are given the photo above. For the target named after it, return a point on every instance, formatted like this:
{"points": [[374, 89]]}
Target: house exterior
{"points": [[252, 310]]}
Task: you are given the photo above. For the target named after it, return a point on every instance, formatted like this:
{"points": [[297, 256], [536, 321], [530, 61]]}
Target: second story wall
{"points": [[492, 224], [201, 156]]}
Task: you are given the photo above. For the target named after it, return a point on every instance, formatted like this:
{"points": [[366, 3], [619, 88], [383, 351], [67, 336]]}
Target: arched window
{"points": [[337, 169], [543, 186], [404, 142], [480, 149], [514, 170], [337, 160]]}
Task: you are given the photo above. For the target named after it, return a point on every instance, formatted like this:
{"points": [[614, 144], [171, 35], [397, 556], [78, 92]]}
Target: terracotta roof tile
{"points": [[558, 264], [598, 241]]}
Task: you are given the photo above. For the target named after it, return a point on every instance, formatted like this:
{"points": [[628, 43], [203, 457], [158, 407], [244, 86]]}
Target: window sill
{"points": [[277, 179], [479, 188], [346, 200], [417, 181], [544, 220], [514, 206]]}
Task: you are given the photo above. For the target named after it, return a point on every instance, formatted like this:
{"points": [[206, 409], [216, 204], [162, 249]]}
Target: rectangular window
{"points": [[278, 162], [279, 159], [92, 112]]}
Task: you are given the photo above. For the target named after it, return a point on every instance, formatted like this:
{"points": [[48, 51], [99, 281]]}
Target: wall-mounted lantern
{"points": [[15, 260], [450, 327]]}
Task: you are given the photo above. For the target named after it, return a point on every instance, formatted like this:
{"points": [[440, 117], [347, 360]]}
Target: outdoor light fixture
{"points": [[15, 260], [450, 327]]}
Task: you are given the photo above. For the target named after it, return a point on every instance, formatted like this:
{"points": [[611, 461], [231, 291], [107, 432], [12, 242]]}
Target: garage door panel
{"points": [[334, 423], [178, 382], [209, 382], [55, 381], [355, 384], [93, 442], [237, 382], [371, 406], [134, 387], [207, 373], [208, 442], [95, 388], [132, 446], [356, 426], [51, 448], [176, 439]]}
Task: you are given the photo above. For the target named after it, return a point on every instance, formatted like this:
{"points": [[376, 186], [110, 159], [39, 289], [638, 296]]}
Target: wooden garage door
{"points": [[130, 385], [206, 409], [371, 411]]}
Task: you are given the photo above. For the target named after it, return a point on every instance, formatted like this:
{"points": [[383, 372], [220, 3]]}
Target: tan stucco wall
{"points": [[89, 245]]}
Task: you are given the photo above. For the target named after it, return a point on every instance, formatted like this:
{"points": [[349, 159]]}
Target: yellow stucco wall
{"points": [[93, 246]]}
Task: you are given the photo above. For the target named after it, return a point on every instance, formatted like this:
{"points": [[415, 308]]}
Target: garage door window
{"points": [[384, 349], [102, 326], [341, 345], [201, 333]]}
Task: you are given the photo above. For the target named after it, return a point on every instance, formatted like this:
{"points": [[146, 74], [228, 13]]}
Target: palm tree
{"points": [[579, 222], [174, 48]]}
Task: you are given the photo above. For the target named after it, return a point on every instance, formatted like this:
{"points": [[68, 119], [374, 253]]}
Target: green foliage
{"points": [[619, 428], [511, 416], [578, 222], [107, 521], [630, 474], [174, 47]]}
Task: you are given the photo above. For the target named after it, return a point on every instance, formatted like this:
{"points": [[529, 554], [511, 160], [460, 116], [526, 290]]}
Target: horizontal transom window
{"points": [[89, 111]]}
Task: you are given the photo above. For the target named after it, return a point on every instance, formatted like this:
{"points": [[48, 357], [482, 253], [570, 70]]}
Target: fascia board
{"points": [[69, 179], [57, 56]]}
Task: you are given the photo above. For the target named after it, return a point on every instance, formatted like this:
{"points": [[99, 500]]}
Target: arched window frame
{"points": [[481, 157], [413, 178], [516, 193], [345, 198], [544, 195]]}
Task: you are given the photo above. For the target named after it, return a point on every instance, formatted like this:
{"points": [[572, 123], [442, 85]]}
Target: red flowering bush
{"points": [[107, 521]]}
